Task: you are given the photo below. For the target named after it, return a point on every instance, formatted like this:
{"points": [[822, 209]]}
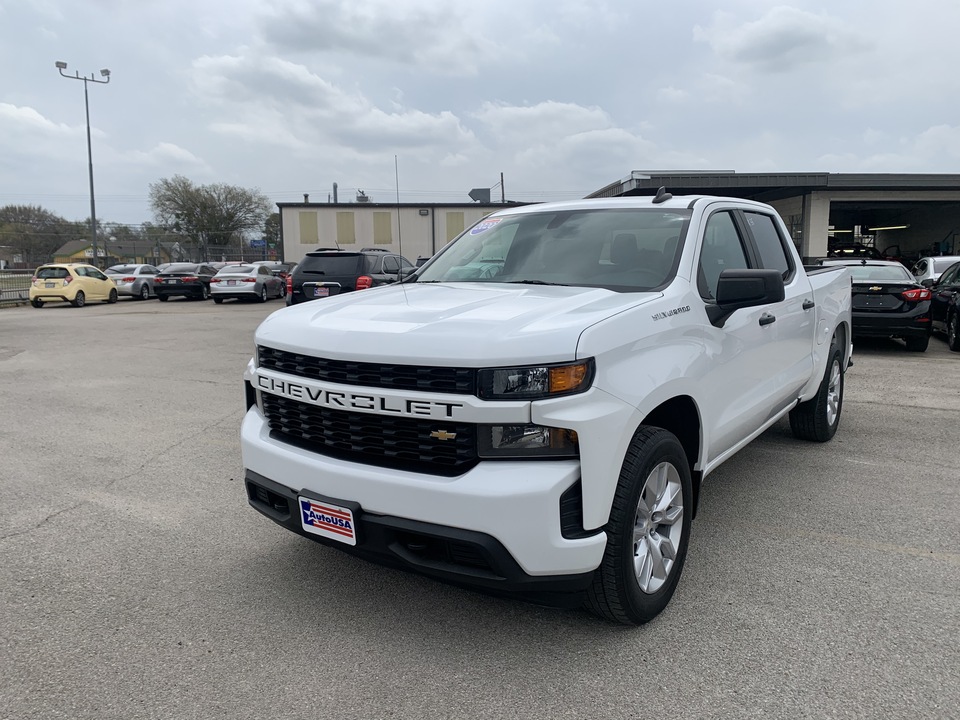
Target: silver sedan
{"points": [[135, 281], [250, 282]]}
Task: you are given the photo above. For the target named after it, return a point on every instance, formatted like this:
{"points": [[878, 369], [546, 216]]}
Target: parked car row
{"points": [[890, 301], [77, 283]]}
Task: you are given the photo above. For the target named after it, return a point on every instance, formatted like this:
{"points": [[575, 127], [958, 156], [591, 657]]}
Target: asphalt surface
{"points": [[822, 581]]}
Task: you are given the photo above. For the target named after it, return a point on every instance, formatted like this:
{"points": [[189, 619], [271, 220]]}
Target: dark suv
{"points": [[326, 272]]}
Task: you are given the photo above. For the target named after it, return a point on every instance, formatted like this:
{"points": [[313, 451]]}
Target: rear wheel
{"points": [[113, 297], [204, 292], [953, 332], [144, 292], [817, 419], [283, 291], [37, 302], [647, 533], [163, 298], [917, 344], [80, 300], [218, 300]]}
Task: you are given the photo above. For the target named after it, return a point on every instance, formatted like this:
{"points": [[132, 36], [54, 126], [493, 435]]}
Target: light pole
{"points": [[61, 66]]}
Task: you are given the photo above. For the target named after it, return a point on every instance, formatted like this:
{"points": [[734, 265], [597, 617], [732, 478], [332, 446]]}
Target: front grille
{"points": [[460, 381], [386, 441]]}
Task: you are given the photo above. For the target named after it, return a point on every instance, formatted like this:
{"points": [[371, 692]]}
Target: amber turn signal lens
{"points": [[567, 378]]}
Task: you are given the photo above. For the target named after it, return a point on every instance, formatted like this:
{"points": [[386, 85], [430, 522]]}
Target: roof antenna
{"points": [[662, 196]]}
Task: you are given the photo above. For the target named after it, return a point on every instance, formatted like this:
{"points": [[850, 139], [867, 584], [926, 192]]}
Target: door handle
{"points": [[767, 318], [808, 304]]}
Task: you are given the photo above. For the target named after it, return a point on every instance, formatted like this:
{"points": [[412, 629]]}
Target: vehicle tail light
{"points": [[189, 279], [289, 284], [916, 295], [128, 279], [364, 282], [253, 280], [33, 280], [67, 280]]}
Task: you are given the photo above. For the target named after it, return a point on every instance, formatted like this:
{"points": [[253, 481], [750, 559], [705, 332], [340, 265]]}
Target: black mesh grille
{"points": [[461, 381], [387, 441]]}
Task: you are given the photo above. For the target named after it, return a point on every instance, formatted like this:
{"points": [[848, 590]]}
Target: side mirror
{"points": [[928, 282], [737, 289], [405, 272]]}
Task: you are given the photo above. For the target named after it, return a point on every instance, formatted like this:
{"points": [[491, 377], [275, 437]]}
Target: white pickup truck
{"points": [[534, 410]]}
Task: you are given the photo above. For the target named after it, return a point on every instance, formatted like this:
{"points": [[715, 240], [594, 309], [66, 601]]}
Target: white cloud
{"points": [[782, 40]]}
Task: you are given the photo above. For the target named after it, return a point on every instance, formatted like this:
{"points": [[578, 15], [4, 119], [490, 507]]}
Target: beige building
{"points": [[413, 230]]}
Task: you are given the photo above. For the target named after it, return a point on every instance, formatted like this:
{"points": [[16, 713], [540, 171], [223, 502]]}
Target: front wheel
{"points": [[647, 532], [204, 293], [80, 299], [817, 419], [953, 332], [263, 294]]}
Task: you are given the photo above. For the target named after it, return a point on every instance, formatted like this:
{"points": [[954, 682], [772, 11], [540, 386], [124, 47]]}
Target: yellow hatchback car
{"points": [[75, 283]]}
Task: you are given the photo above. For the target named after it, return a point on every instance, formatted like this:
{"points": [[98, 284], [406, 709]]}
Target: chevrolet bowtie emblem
{"points": [[443, 435], [876, 288]]}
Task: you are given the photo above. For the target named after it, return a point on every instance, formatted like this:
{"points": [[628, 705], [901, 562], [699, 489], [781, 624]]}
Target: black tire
{"points": [[80, 300], [37, 303], [163, 298], [113, 297], [817, 419], [144, 292], [263, 294], [218, 300], [621, 592], [204, 292], [953, 332], [917, 343], [283, 291]]}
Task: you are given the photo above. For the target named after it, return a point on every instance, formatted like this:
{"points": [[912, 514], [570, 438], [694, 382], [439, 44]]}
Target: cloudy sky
{"points": [[290, 96]]}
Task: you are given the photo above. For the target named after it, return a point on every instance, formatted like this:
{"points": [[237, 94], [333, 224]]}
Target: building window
{"points": [[382, 228], [454, 225], [309, 234], [346, 231]]}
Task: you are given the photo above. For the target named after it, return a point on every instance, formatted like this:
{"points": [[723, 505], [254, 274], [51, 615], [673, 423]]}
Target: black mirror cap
{"points": [[748, 288], [928, 282]]}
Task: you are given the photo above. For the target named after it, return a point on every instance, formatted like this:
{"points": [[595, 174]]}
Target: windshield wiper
{"points": [[535, 282]]}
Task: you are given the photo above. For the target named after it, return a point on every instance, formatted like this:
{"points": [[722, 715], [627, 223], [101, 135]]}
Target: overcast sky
{"points": [[290, 96]]}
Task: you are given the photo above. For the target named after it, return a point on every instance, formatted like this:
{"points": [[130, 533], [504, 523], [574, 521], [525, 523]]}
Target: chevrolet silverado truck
{"points": [[534, 410]]}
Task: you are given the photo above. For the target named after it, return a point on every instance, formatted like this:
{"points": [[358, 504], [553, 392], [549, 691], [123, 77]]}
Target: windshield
{"points": [[121, 269], [237, 270], [626, 250]]}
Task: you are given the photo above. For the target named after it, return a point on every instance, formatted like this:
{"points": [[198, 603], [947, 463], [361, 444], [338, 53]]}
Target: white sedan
{"points": [[246, 282]]}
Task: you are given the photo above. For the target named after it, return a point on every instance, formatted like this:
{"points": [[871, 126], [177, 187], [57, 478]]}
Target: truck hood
{"points": [[466, 324]]}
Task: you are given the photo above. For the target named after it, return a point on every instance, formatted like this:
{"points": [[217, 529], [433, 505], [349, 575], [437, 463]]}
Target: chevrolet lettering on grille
{"points": [[357, 401]]}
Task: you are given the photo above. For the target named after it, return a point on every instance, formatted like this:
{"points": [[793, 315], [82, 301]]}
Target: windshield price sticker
{"points": [[484, 225]]}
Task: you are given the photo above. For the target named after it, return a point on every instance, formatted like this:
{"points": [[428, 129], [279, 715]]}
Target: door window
{"points": [[769, 243], [722, 250], [390, 265]]}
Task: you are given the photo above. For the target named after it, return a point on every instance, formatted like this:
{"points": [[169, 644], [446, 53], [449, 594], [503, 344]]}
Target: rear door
{"points": [[945, 288]]}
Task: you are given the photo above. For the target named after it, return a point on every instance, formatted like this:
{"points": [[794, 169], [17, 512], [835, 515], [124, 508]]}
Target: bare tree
{"points": [[208, 215]]}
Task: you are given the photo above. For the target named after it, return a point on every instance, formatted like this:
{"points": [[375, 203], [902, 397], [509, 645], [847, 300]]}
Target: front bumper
{"points": [[515, 504], [454, 555]]}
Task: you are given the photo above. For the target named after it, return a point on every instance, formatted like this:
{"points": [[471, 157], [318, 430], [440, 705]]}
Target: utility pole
{"points": [[61, 66]]}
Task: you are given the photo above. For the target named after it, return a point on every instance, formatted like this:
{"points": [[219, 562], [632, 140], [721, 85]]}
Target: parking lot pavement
{"points": [[821, 581]]}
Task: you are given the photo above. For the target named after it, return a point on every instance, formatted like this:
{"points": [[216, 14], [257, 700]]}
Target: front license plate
{"points": [[328, 520], [321, 292]]}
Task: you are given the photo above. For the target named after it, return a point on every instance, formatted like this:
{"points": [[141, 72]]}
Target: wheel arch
{"points": [[681, 416]]}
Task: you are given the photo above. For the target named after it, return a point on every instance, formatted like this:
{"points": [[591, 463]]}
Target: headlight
{"points": [[536, 381], [526, 441]]}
